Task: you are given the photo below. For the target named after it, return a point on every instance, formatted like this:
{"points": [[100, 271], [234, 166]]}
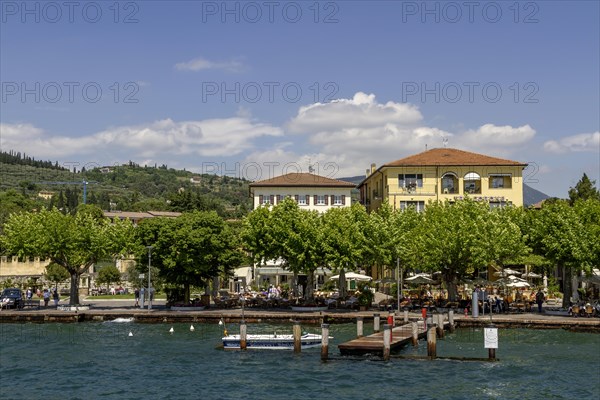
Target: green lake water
{"points": [[101, 360]]}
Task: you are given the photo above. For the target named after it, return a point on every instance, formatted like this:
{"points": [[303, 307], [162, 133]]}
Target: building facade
{"points": [[443, 174], [310, 191]]}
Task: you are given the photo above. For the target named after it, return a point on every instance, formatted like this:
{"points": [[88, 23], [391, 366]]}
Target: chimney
{"points": [[373, 168], [368, 172]]}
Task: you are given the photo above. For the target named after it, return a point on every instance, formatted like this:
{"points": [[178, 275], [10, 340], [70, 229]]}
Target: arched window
{"points": [[449, 183], [472, 183]]}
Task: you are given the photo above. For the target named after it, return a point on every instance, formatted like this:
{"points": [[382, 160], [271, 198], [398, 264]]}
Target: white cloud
{"points": [[506, 135], [586, 142], [208, 138], [362, 111], [199, 64]]}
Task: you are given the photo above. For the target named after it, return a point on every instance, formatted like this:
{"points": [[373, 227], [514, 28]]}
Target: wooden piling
{"points": [[406, 316], [492, 354], [440, 325], [243, 336], [297, 337], [415, 333], [324, 342], [376, 322], [387, 336], [451, 320], [359, 327], [431, 343]]}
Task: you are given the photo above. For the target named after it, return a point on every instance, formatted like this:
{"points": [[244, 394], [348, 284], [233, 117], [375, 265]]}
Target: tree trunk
{"points": [[567, 287], [575, 286], [74, 299], [186, 292], [310, 284], [452, 288], [295, 285]]}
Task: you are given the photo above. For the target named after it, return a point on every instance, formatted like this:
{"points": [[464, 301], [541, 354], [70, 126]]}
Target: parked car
{"points": [[12, 298]]}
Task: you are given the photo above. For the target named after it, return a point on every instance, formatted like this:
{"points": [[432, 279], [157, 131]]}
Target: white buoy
{"points": [[130, 333], [221, 322], [192, 329], [171, 330]]}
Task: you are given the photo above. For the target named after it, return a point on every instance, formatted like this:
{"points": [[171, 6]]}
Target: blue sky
{"points": [[256, 88]]}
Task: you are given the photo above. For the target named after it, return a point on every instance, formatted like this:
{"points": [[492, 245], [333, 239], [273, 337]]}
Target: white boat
{"points": [[272, 342]]}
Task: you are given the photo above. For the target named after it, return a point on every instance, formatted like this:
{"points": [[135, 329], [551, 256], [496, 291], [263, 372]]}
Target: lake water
{"points": [[101, 360]]}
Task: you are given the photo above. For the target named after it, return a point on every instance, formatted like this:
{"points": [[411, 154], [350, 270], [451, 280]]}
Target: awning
{"points": [[472, 176], [353, 276]]}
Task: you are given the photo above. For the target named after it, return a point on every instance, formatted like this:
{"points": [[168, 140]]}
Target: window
{"points": [[265, 200], [500, 181], [410, 181], [338, 200], [320, 200], [472, 183], [449, 183], [417, 205], [302, 200]]}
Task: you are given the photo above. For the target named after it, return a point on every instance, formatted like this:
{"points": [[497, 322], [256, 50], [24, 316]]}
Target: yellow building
{"points": [[443, 174]]}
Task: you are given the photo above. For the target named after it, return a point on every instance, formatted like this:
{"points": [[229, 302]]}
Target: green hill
{"points": [[128, 187]]}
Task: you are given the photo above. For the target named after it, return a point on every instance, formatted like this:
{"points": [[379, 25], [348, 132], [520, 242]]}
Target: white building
{"points": [[312, 192]]}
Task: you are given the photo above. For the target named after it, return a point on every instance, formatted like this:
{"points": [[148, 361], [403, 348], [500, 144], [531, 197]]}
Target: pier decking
{"points": [[373, 344]]}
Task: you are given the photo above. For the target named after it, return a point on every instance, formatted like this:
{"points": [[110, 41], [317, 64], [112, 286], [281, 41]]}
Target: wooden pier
{"points": [[373, 344]]}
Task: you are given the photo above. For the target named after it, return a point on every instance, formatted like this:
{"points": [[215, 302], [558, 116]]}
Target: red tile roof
{"points": [[302, 179], [444, 156]]}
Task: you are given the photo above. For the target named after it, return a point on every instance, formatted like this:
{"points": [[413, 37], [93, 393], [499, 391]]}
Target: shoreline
{"points": [[160, 314]]}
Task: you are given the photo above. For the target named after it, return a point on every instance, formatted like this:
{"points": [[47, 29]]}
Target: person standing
{"points": [[55, 297], [137, 297], [539, 299], [46, 297]]}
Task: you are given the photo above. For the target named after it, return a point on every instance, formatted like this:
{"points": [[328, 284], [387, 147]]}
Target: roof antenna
{"points": [[425, 146], [445, 141], [311, 169]]}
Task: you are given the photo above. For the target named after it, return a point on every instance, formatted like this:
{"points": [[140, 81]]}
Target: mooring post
{"points": [[451, 320], [475, 304], [387, 335], [393, 319], [359, 327], [243, 335], [405, 315], [297, 337], [324, 342], [431, 343], [376, 322], [490, 340], [440, 325], [415, 333]]}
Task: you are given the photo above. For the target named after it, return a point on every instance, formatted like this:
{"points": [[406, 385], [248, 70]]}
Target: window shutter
{"points": [[326, 198], [278, 198], [307, 199], [343, 199], [296, 198], [260, 199], [272, 199], [315, 200]]}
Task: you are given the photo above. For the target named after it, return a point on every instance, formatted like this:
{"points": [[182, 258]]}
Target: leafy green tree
{"points": [[75, 242], [56, 273], [191, 249], [453, 239], [559, 233], [256, 236], [108, 275], [344, 242], [584, 189]]}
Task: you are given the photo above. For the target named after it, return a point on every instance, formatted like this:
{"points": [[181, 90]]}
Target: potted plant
{"points": [[365, 298]]}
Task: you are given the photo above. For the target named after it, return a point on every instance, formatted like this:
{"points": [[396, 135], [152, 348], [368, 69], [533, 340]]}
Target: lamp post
{"points": [[150, 297]]}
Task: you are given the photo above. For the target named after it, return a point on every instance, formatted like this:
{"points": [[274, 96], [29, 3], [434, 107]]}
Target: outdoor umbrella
{"points": [[352, 276], [518, 284], [531, 275], [419, 280]]}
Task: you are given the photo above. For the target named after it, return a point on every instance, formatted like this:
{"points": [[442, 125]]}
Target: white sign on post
{"points": [[142, 276], [490, 338]]}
